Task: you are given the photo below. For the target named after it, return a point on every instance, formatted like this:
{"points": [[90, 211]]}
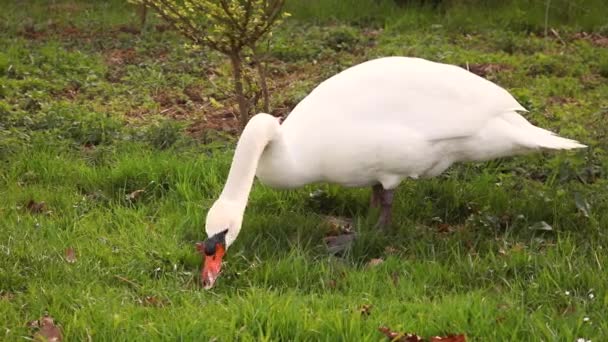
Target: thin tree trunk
{"points": [[237, 74], [262, 74], [143, 14]]}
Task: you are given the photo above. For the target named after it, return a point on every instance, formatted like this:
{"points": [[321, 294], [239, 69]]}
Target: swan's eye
{"points": [[209, 248], [212, 243]]}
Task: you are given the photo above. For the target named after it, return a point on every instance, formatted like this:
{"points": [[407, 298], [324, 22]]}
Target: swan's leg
{"points": [[386, 207], [376, 197]]}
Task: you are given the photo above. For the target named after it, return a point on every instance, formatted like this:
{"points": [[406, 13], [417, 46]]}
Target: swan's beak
{"points": [[212, 265]]}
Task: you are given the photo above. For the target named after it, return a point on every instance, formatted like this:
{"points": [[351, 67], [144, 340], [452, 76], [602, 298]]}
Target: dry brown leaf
{"points": [[7, 296], [487, 70], [375, 262], [338, 225], [366, 309], [568, 309], [340, 234], [444, 228], [70, 255], [135, 195], [449, 338], [36, 207], [391, 250], [153, 301], [45, 330], [404, 337], [395, 336], [331, 283]]}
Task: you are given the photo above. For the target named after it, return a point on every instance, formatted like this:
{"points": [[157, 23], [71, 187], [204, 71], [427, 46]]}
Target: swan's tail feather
{"points": [[554, 142], [536, 137]]}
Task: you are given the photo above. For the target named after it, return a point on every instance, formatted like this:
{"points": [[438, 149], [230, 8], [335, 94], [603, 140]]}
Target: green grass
{"points": [[471, 15], [81, 130]]}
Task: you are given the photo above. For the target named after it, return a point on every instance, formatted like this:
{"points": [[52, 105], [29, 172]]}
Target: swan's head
{"points": [[223, 225]]}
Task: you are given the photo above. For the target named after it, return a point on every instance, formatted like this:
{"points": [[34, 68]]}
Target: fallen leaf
{"points": [[135, 195], [444, 228], [391, 250], [568, 310], [365, 309], [449, 338], [487, 70], [70, 255], [398, 336], [45, 330], [542, 225], [338, 225], [7, 296], [403, 337], [375, 262], [36, 207], [153, 301]]}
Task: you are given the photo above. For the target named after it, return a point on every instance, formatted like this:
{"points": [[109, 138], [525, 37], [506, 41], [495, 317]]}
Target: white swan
{"points": [[373, 124]]}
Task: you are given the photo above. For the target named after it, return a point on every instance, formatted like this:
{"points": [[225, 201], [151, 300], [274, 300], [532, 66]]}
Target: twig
{"points": [[130, 282], [547, 6], [556, 34]]}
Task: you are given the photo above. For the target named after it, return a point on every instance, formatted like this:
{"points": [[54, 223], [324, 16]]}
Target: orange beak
{"points": [[212, 265]]}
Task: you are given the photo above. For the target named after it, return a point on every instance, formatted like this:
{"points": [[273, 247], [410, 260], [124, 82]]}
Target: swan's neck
{"points": [[258, 133]]}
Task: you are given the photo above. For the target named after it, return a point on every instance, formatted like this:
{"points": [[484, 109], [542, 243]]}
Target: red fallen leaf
{"points": [[135, 195], [36, 207], [399, 337], [375, 262], [45, 330], [70, 255], [449, 338]]}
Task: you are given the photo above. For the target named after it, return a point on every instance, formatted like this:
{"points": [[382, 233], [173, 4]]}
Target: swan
{"points": [[373, 124]]}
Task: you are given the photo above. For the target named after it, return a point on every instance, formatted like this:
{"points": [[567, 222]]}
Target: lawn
{"points": [[93, 109]]}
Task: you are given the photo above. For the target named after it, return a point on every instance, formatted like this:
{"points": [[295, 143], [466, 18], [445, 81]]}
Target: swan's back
{"points": [[434, 99], [397, 117]]}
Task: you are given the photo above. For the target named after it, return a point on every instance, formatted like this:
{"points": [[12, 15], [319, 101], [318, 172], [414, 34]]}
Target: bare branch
{"points": [[230, 27]]}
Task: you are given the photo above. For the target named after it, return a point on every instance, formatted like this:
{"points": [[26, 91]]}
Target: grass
{"points": [[90, 112], [526, 15]]}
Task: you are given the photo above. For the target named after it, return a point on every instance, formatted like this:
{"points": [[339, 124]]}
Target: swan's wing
{"points": [[438, 101]]}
